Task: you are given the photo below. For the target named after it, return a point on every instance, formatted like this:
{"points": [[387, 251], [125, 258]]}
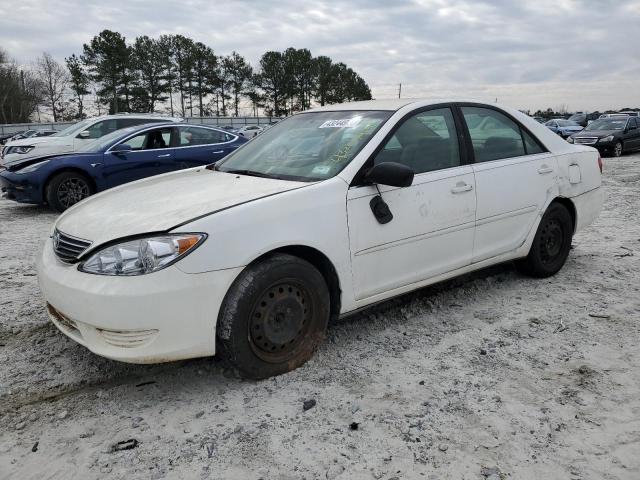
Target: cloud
{"points": [[527, 54]]}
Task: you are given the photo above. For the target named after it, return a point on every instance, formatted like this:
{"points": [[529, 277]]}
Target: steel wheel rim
{"points": [[551, 241], [280, 320], [618, 149], [71, 191]]}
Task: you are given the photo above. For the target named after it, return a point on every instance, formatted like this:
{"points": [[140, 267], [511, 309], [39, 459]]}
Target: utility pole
{"points": [[399, 90]]}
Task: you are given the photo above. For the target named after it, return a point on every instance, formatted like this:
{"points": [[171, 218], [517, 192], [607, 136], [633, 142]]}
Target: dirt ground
{"points": [[489, 376]]}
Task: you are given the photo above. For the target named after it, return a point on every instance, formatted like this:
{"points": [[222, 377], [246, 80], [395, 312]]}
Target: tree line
{"points": [[172, 74]]}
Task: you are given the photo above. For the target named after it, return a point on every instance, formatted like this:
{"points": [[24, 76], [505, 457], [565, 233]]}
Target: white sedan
{"points": [[249, 131], [329, 211]]}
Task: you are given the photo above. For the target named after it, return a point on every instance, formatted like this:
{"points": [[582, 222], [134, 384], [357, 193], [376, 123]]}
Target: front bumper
{"points": [[163, 316], [20, 188]]}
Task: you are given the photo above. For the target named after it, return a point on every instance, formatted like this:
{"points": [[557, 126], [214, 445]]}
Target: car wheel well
{"points": [[570, 206], [322, 263], [92, 182]]}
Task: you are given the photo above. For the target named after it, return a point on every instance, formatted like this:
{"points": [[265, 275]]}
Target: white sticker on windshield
{"points": [[345, 123], [321, 169]]}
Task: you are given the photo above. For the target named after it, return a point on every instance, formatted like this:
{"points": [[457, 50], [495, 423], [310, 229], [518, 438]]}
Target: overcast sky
{"points": [[527, 54]]}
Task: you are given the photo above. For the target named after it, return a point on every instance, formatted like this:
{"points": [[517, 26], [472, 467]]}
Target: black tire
{"points": [[273, 317], [617, 149], [65, 189], [551, 245]]}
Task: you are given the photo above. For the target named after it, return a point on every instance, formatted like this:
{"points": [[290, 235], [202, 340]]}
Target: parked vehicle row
{"points": [[612, 135], [329, 211], [564, 128], [125, 155], [74, 137]]}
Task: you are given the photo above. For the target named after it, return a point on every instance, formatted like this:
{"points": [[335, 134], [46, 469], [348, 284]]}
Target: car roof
{"points": [[390, 104]]}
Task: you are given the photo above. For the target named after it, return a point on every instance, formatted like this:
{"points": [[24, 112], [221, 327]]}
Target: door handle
{"points": [[218, 151], [545, 169], [164, 155], [462, 187]]}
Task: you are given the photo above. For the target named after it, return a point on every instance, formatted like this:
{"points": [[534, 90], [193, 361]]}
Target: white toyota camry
{"points": [[327, 212]]}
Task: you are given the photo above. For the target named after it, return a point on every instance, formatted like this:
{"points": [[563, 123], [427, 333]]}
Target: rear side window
{"points": [[190, 136], [425, 142], [495, 136]]}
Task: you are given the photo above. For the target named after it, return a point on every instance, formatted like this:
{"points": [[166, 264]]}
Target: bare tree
{"points": [[54, 78]]}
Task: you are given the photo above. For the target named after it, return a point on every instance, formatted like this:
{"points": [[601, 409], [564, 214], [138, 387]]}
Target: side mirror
{"points": [[390, 173], [121, 148], [84, 134]]}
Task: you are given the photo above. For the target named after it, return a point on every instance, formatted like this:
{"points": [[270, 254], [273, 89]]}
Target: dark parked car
{"points": [[44, 133], [123, 156], [563, 127], [611, 136], [582, 118], [6, 137]]}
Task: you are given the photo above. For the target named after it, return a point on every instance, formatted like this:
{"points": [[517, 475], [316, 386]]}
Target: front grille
{"points": [[68, 248], [585, 140]]}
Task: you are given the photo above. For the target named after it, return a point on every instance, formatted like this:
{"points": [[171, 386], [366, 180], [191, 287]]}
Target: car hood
{"points": [[35, 141], [163, 202], [597, 133]]}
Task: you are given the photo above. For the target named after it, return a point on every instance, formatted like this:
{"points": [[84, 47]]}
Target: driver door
{"points": [[150, 154], [433, 219]]}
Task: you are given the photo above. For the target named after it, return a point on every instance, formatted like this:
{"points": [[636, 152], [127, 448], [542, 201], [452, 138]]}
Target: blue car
{"points": [[564, 128], [120, 157]]}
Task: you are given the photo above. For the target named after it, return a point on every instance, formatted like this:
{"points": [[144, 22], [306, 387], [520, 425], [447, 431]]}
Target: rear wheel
{"points": [[551, 245], [66, 189], [273, 317]]}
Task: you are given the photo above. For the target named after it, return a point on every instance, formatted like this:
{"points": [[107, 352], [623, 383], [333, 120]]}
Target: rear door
{"points": [[202, 146], [150, 153], [513, 174]]}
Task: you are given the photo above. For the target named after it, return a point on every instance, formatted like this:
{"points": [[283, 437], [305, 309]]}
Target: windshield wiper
{"points": [[250, 173]]}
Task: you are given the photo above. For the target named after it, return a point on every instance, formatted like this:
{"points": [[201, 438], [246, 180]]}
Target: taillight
{"points": [[600, 164]]}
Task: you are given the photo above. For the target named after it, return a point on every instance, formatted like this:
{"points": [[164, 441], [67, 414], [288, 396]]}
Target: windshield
{"points": [[76, 127], [306, 147], [608, 124], [103, 142], [577, 117]]}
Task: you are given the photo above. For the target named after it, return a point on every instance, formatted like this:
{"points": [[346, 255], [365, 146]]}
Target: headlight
{"points": [[141, 256], [23, 149], [31, 168], [570, 139], [606, 139]]}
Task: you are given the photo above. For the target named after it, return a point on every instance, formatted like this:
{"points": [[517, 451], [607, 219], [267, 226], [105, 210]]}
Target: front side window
{"points": [[425, 142], [100, 129], [150, 140], [307, 147], [494, 136], [191, 136]]}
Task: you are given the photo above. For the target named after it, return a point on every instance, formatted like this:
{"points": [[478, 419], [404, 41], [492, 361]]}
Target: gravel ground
{"points": [[489, 376]]}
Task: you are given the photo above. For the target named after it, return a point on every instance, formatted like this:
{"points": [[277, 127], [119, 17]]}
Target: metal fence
{"points": [[219, 121]]}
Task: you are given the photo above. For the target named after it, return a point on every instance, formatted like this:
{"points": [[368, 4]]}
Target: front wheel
{"points": [[273, 317], [551, 245], [66, 189], [617, 149]]}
